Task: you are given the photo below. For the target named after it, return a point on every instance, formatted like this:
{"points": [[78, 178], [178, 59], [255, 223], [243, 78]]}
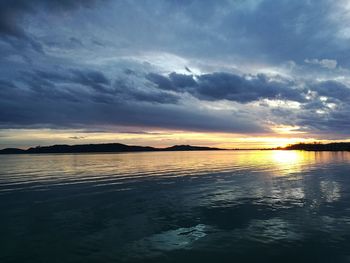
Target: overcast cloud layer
{"points": [[224, 66]]}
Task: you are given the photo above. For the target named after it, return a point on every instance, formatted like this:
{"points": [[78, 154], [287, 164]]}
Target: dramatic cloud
{"points": [[12, 12], [226, 66], [226, 86], [332, 89], [77, 98]]}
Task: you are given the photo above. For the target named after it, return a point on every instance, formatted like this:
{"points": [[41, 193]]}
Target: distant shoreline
{"points": [[122, 148], [103, 148], [319, 147]]}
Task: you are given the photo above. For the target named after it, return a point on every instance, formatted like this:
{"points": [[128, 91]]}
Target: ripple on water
{"points": [[175, 206]]}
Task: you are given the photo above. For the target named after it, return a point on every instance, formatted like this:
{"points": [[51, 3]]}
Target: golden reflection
{"points": [[287, 162], [277, 162], [286, 157]]}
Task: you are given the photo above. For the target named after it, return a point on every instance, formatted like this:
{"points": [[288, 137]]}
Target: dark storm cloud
{"points": [[267, 30], [70, 97], [109, 63], [226, 86], [326, 124], [330, 114], [325, 114], [243, 89], [93, 79], [11, 12], [258, 30], [332, 89], [284, 29], [12, 25], [40, 102], [161, 81], [181, 81], [78, 84]]}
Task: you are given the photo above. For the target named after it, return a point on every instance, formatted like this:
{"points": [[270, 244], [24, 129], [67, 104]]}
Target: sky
{"points": [[229, 73]]}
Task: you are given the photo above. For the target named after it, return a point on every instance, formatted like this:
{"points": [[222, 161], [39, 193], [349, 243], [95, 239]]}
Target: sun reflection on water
{"points": [[137, 207], [286, 157], [288, 162]]}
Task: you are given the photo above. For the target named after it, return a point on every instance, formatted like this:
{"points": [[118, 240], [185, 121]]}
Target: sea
{"points": [[194, 206]]}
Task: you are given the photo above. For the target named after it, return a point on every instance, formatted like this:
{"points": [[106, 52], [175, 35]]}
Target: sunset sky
{"points": [[235, 73]]}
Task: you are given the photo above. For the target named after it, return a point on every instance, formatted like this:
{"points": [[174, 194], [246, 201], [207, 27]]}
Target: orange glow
{"points": [[158, 138], [286, 129]]}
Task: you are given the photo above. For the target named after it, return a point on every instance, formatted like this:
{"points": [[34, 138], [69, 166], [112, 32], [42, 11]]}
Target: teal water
{"points": [[223, 206]]}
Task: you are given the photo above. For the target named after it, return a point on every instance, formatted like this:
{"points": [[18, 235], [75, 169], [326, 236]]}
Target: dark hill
{"points": [[189, 148], [340, 146], [89, 148], [101, 148], [12, 151]]}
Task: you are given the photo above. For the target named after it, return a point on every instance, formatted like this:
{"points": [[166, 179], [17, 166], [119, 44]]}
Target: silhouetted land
{"points": [[102, 148], [340, 146], [118, 147]]}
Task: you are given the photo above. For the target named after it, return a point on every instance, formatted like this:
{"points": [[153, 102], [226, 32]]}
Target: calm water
{"points": [[224, 206]]}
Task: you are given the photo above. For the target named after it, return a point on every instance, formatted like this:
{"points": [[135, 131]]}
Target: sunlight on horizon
{"points": [[157, 138]]}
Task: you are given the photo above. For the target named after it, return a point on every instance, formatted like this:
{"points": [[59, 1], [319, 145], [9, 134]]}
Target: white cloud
{"points": [[325, 63]]}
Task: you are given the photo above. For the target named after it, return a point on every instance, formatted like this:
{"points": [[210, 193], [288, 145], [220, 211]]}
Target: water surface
{"points": [[224, 206]]}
